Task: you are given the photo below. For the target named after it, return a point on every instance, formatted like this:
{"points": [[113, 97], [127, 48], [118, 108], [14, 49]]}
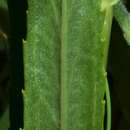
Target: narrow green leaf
{"points": [[123, 17], [64, 56]]}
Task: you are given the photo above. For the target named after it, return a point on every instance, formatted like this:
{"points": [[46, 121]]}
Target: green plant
{"points": [[65, 64], [65, 59]]}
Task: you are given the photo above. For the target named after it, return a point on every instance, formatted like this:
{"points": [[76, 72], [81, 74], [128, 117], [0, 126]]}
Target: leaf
{"points": [[65, 78], [4, 121], [123, 18], [3, 4]]}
